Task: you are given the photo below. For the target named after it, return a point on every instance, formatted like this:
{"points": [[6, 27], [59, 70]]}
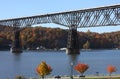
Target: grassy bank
{"points": [[96, 77], [82, 78], [76, 77]]}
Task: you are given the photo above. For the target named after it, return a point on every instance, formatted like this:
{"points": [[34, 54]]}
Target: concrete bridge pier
{"points": [[73, 41], [16, 46]]}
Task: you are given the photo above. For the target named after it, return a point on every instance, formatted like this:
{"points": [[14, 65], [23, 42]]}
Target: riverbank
{"points": [[86, 77]]}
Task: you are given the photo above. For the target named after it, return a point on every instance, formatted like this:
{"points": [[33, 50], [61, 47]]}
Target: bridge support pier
{"points": [[16, 46], [73, 41]]}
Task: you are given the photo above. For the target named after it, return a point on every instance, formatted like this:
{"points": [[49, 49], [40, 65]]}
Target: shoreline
{"points": [[78, 77]]}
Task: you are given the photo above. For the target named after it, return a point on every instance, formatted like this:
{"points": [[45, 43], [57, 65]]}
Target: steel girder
{"points": [[102, 16]]}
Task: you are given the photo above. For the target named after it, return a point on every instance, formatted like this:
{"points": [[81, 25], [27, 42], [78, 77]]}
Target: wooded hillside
{"points": [[50, 38]]}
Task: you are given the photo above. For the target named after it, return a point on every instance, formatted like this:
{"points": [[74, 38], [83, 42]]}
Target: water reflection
{"points": [[73, 59], [17, 64], [17, 56]]}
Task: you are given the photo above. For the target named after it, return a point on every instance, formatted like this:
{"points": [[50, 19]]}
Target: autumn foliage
{"points": [[81, 68], [50, 38], [43, 69], [111, 69]]}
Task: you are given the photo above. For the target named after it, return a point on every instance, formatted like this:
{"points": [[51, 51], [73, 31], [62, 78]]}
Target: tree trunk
{"points": [[82, 75], [42, 77]]}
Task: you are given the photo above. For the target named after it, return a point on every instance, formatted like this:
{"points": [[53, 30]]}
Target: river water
{"points": [[12, 65]]}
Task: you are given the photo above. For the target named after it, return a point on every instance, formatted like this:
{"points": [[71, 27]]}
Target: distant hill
{"points": [[56, 38]]}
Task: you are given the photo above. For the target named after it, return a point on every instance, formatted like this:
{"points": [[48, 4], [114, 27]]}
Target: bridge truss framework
{"points": [[94, 17], [102, 16]]}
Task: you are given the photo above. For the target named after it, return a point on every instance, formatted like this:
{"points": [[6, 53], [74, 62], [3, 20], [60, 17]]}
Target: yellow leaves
{"points": [[43, 69]]}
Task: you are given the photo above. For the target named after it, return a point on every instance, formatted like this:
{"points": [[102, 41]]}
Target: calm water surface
{"points": [[24, 64]]}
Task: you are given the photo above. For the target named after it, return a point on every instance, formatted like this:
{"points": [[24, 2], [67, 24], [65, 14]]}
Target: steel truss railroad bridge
{"points": [[93, 17]]}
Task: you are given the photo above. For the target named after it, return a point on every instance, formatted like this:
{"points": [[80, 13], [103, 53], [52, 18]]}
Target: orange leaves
{"points": [[80, 67], [111, 69], [43, 69]]}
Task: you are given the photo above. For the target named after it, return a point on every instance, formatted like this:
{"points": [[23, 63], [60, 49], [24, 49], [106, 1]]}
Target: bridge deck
{"points": [[101, 16]]}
